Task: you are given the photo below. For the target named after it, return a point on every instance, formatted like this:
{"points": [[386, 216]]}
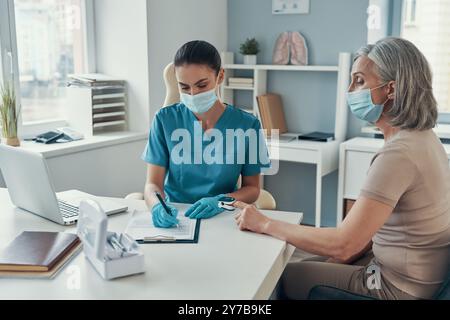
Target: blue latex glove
{"points": [[205, 208], [160, 217]]}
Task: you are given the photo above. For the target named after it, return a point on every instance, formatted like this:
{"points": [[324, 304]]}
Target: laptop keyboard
{"points": [[68, 210]]}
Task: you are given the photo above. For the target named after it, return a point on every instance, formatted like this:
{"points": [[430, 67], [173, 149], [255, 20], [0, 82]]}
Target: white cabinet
{"points": [[356, 165], [355, 156]]}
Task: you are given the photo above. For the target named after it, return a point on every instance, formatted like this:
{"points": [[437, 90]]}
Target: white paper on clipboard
{"points": [[141, 228]]}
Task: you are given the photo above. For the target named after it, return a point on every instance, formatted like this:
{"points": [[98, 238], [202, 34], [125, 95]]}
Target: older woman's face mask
{"points": [[364, 89], [362, 106]]}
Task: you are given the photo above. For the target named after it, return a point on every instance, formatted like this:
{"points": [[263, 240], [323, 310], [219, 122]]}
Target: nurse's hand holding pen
{"points": [[164, 215], [250, 218]]}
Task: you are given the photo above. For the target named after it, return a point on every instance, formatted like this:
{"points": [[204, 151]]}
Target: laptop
{"points": [[30, 188]]}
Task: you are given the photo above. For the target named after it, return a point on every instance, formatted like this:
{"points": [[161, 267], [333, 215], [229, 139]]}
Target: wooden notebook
{"points": [[272, 113], [37, 251]]}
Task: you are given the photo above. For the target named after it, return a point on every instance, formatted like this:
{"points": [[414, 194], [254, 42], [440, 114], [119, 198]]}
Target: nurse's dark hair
{"points": [[198, 52]]}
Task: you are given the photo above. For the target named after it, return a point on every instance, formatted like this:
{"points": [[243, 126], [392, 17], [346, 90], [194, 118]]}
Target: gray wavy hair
{"points": [[396, 59]]}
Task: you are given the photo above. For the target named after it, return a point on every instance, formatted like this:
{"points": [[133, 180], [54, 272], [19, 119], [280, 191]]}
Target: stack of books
{"points": [[271, 112], [38, 254], [96, 102], [240, 82]]}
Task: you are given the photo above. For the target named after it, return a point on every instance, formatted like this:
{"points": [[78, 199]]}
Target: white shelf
{"points": [[260, 76], [108, 105], [323, 154], [88, 143], [108, 124], [239, 88], [108, 114], [302, 144], [271, 67], [108, 96], [239, 66]]}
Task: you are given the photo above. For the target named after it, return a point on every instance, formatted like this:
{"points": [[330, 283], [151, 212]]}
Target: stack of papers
{"points": [[94, 80]]}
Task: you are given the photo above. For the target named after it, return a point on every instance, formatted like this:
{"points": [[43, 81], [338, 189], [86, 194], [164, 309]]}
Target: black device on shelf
{"points": [[49, 137], [317, 136]]}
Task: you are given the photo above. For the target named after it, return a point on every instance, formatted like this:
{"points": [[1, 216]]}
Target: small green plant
{"points": [[8, 112], [249, 47]]}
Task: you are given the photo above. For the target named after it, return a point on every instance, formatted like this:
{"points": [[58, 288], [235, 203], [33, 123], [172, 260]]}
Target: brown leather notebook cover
{"points": [[276, 112], [273, 106], [263, 113], [36, 251], [50, 274]]}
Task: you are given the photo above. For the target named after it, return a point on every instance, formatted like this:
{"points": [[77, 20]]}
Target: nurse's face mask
{"points": [[201, 102]]}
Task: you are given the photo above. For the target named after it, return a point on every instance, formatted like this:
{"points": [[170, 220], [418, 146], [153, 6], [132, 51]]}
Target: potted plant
{"points": [[250, 48], [9, 115]]}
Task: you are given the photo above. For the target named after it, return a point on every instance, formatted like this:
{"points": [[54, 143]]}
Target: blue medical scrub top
{"points": [[202, 164]]}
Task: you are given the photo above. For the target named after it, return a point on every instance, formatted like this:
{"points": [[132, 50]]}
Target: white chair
{"points": [[265, 199]]}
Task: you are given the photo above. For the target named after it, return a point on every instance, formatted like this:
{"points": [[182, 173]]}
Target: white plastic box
{"points": [[109, 263]]}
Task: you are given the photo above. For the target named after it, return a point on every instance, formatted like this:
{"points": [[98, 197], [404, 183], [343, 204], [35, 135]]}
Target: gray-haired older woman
{"points": [[395, 241]]}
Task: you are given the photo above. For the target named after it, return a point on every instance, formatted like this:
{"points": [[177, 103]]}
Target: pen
{"points": [[163, 203], [161, 200]]}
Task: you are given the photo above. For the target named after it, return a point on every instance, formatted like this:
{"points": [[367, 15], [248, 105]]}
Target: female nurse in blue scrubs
{"points": [[195, 151]]}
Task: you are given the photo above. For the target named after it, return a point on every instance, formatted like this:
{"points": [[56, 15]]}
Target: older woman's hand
{"points": [[250, 218]]}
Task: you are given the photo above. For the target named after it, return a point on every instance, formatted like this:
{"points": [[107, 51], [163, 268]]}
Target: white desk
{"points": [[225, 264], [354, 161], [323, 154]]}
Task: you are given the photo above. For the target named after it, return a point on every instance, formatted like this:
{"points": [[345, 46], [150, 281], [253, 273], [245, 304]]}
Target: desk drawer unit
{"points": [[356, 168], [356, 155], [295, 155]]}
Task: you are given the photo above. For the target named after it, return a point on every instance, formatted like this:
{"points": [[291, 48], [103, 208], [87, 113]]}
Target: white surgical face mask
{"points": [[199, 103]]}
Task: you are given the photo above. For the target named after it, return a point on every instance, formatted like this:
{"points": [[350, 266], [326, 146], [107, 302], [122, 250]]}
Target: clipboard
{"points": [[164, 239], [140, 227]]}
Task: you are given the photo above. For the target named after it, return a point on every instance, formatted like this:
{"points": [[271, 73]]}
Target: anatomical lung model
{"points": [[290, 47]]}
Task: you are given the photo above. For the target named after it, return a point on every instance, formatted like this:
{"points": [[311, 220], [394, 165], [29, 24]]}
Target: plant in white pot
{"points": [[250, 48], [9, 115]]}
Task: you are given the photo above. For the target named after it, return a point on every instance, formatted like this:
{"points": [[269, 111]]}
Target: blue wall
{"points": [[309, 98]]}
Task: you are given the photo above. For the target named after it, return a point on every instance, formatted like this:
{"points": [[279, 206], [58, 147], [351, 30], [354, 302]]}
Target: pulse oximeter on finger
{"points": [[226, 203]]}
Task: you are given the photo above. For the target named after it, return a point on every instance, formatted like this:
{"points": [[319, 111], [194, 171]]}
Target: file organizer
{"points": [[95, 107]]}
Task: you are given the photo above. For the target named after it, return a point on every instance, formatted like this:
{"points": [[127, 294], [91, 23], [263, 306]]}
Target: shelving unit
{"points": [[325, 155], [98, 109], [238, 88]]}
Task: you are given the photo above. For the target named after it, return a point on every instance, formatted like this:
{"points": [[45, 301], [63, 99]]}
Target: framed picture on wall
{"points": [[290, 6]]}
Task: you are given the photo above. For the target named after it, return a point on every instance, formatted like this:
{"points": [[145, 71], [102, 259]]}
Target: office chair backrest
{"points": [[444, 291], [170, 80]]}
